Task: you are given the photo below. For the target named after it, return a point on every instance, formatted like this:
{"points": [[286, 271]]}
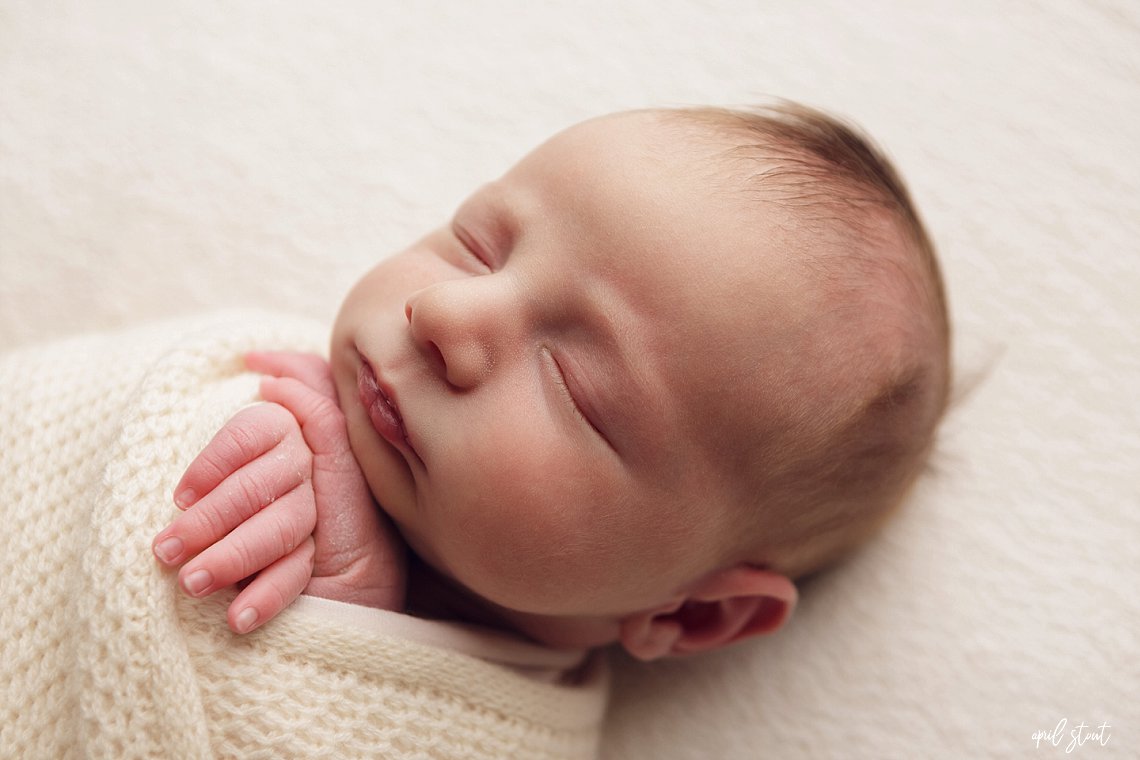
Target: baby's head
{"points": [[670, 362]]}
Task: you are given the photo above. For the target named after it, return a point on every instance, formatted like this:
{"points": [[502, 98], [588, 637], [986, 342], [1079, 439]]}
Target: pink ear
{"points": [[731, 605]]}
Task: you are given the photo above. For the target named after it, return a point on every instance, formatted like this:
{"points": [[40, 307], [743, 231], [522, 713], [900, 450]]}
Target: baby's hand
{"points": [[248, 508], [278, 493]]}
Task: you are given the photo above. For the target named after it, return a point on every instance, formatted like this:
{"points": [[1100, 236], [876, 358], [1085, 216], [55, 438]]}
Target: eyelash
{"points": [[560, 379], [472, 251]]}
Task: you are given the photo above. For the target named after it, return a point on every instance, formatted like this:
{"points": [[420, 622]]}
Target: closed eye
{"points": [[472, 249], [564, 389]]}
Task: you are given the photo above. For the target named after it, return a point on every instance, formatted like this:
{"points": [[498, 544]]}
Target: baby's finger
{"points": [[321, 420], [310, 369], [257, 543], [272, 590], [244, 493], [249, 434]]}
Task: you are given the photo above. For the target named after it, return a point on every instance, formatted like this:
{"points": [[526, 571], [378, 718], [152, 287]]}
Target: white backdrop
{"points": [[166, 158]]}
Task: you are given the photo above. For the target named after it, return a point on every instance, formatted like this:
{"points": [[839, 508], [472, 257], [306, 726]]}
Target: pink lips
{"points": [[382, 410]]}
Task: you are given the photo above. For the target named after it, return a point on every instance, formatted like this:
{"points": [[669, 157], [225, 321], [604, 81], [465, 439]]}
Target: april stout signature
{"points": [[1077, 737]]}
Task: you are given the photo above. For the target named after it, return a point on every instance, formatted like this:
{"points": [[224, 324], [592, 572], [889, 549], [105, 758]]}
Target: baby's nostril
{"points": [[435, 356]]}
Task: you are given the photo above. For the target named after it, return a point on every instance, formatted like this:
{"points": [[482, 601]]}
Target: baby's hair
{"points": [[865, 248]]}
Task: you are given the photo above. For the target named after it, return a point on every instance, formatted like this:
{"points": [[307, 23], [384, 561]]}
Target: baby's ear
{"points": [[731, 605]]}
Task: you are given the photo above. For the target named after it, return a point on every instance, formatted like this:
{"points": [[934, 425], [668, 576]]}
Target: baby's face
{"points": [[545, 394]]}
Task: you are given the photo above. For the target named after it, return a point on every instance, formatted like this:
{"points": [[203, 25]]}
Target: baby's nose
{"points": [[447, 323]]}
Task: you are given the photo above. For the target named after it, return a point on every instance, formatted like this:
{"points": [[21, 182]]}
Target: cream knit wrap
{"points": [[100, 656]]}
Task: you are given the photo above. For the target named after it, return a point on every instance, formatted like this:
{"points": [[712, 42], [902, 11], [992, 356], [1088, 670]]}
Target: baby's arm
{"points": [[278, 493]]}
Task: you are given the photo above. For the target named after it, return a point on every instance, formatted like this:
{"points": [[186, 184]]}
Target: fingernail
{"points": [[197, 582], [245, 619], [169, 549], [184, 498]]}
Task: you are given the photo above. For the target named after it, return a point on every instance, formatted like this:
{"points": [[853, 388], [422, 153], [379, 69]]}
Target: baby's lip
{"points": [[379, 401]]}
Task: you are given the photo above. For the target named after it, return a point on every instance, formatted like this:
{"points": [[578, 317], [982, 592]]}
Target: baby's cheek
{"points": [[518, 525], [511, 457]]}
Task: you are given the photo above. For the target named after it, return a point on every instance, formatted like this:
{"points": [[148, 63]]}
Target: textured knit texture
{"points": [[101, 656]]}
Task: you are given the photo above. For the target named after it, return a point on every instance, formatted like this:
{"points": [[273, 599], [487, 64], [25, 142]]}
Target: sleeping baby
{"points": [[670, 363]]}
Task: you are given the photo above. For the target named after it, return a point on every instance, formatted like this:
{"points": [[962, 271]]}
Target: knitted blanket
{"points": [[101, 656]]}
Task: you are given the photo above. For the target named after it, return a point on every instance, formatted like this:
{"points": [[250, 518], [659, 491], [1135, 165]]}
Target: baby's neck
{"points": [[435, 596]]}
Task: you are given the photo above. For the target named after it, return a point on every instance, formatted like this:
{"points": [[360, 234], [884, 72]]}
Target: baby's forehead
{"points": [[725, 279]]}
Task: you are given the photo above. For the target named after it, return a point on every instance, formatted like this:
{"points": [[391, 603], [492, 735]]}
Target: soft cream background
{"points": [[166, 158]]}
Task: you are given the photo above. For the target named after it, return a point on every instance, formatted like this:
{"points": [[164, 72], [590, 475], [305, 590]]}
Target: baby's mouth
{"points": [[382, 411]]}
